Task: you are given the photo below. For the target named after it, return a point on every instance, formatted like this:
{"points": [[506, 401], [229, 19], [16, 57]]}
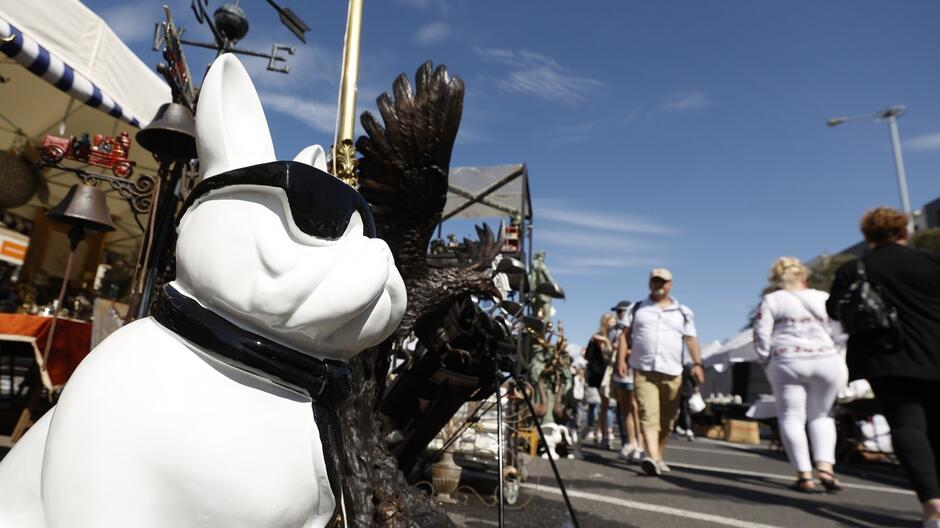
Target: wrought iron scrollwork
{"points": [[138, 192]]}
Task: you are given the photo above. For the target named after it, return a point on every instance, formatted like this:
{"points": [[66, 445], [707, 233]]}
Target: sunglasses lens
{"points": [[320, 204]]}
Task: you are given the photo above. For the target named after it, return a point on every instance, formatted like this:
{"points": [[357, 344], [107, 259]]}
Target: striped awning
{"points": [[65, 72], [69, 46], [37, 59]]}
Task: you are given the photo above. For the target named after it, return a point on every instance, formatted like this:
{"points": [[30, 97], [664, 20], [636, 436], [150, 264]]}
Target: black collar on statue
{"points": [[327, 382]]}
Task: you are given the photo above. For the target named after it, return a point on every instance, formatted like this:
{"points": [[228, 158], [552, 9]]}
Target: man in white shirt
{"points": [[657, 333]]}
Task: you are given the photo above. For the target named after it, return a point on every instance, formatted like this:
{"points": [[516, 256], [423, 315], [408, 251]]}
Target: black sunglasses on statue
{"points": [[320, 204]]}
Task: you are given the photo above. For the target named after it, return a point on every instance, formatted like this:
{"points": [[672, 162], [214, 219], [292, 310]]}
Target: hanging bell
{"points": [[84, 206], [171, 135]]}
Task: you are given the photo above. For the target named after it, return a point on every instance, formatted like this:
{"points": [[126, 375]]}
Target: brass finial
{"points": [[343, 161]]}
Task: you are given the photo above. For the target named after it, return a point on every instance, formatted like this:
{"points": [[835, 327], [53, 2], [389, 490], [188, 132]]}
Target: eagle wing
{"points": [[403, 170]]}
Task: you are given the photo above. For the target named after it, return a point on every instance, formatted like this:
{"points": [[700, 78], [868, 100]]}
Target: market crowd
{"points": [[879, 322]]}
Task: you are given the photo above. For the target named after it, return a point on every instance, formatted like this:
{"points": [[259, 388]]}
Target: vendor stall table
{"points": [[70, 344]]}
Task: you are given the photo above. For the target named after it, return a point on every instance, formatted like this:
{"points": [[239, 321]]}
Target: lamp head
{"points": [[551, 289]]}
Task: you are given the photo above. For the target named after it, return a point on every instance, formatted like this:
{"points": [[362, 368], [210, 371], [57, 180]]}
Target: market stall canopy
{"points": [[738, 349], [487, 192], [709, 350], [64, 72]]}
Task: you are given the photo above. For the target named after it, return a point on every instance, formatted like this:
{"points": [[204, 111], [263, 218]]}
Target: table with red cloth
{"points": [[70, 343]]}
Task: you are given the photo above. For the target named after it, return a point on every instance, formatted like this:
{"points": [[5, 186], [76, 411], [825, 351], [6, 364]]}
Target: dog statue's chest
{"points": [[191, 439]]}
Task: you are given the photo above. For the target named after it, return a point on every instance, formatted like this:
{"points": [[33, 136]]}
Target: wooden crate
{"points": [[741, 431]]}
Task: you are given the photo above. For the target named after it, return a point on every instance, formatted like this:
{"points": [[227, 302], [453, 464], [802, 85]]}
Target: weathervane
{"points": [[229, 24]]}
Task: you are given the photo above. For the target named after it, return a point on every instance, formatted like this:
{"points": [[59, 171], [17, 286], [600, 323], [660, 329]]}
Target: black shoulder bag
{"points": [[863, 311]]}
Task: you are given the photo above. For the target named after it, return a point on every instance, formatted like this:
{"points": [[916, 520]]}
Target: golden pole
{"points": [[344, 150]]}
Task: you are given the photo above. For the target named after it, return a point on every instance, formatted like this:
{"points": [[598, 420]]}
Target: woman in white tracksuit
{"points": [[794, 336]]}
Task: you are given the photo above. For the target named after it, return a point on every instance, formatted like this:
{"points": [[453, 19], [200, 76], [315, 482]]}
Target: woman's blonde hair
{"points": [[788, 272], [607, 321]]}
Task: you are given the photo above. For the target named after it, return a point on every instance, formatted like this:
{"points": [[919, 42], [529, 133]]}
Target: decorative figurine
{"points": [[219, 410], [403, 173], [539, 274], [104, 151]]}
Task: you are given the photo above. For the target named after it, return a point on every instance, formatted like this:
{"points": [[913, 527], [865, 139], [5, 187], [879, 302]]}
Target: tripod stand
{"points": [[517, 379]]}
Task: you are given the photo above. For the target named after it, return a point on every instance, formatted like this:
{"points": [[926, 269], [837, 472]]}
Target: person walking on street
{"points": [[902, 361], [598, 354], [657, 333], [623, 388], [793, 336]]}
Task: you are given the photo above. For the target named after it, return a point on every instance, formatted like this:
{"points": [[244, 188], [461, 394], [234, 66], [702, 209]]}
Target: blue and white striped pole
{"points": [[37, 59]]}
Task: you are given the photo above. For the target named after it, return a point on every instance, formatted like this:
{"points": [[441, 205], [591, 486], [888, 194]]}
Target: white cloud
{"points": [[686, 102], [925, 142], [632, 115], [559, 212], [424, 5], [601, 261], [537, 75], [571, 133], [595, 265], [133, 23], [317, 115], [468, 134], [580, 239], [310, 67], [432, 33]]}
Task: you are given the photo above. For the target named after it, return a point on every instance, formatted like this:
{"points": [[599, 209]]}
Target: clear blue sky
{"points": [[690, 135]]}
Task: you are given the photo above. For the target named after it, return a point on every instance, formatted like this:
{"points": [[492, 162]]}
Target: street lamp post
{"points": [[890, 115]]}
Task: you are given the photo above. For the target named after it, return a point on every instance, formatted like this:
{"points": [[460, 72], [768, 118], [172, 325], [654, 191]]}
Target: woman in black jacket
{"points": [[903, 367]]}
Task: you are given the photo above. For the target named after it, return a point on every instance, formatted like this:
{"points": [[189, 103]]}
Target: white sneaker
{"points": [[590, 436], [637, 456], [663, 467], [651, 467], [627, 451]]}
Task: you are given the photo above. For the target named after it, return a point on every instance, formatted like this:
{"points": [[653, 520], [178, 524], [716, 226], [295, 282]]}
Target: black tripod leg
{"points": [[551, 460], [499, 449]]}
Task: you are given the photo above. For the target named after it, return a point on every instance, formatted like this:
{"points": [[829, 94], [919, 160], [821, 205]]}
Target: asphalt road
{"points": [[712, 484]]}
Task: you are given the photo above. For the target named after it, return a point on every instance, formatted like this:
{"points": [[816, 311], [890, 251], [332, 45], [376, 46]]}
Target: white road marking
{"points": [[687, 514], [712, 451], [736, 445], [882, 489]]}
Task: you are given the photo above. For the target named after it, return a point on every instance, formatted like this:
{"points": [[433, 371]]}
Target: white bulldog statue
{"points": [[213, 412], [554, 435]]}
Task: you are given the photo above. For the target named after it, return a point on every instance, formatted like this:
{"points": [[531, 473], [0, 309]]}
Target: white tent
{"points": [[709, 350], [64, 73], [738, 349], [486, 192]]}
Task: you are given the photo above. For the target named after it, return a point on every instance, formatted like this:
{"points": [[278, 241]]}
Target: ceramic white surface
{"points": [[231, 130], [151, 431]]}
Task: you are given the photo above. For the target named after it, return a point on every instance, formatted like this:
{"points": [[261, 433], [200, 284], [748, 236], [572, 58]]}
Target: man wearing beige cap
{"points": [[658, 331]]}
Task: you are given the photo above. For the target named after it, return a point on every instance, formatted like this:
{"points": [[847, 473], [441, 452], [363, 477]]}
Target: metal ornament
{"points": [[343, 159], [228, 25], [171, 135], [84, 206], [137, 192]]}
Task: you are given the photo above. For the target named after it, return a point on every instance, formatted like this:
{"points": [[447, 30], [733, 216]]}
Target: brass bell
{"points": [[171, 135], [85, 207]]}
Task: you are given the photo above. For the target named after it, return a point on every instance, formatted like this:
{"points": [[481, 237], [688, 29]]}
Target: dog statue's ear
{"points": [[313, 156], [231, 131]]}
